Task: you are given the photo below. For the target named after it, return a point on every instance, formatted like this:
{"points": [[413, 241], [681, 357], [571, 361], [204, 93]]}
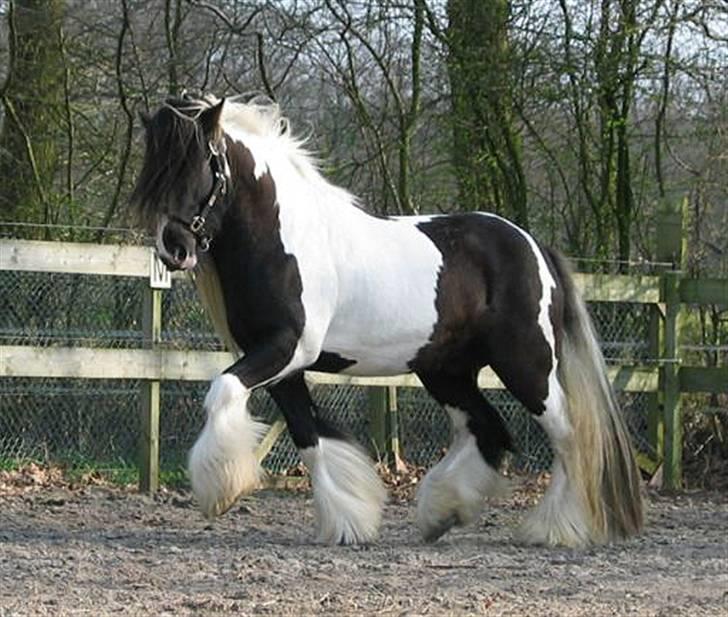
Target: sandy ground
{"points": [[101, 551]]}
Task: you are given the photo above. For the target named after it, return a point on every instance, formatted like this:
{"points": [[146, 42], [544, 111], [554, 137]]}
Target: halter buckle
{"points": [[197, 223]]}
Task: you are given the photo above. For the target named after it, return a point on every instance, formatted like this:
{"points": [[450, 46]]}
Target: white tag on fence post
{"points": [[159, 276]]}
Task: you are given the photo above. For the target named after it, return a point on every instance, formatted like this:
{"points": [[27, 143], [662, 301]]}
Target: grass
{"points": [[80, 470]]}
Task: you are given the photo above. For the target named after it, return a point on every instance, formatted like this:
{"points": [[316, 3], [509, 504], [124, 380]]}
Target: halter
{"points": [[218, 191]]}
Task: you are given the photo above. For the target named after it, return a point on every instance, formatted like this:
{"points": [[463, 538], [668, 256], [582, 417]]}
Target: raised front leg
{"points": [[222, 463]]}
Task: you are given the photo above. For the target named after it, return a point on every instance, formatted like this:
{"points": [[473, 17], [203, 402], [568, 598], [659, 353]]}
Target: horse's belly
{"points": [[382, 361]]}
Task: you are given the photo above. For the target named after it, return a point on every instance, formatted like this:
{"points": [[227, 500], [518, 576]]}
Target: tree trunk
{"points": [[32, 98], [487, 150]]}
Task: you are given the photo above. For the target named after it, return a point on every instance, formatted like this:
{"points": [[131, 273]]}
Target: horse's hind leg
{"points": [[529, 373], [452, 492], [347, 492]]}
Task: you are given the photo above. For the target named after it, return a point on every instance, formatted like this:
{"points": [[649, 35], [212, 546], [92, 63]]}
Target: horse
{"points": [[296, 277]]}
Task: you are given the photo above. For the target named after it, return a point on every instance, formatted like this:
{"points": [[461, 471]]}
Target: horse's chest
{"points": [[261, 301]]}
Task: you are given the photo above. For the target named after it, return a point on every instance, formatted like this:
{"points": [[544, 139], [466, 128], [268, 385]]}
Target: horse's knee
{"points": [[225, 390]]}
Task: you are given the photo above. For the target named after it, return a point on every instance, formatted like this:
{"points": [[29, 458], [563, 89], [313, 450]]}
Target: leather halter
{"points": [[218, 191]]}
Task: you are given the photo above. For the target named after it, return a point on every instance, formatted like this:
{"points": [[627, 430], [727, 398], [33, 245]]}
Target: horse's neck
{"points": [[305, 213]]}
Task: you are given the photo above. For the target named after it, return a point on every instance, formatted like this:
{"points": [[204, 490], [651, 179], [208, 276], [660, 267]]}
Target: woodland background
{"points": [[577, 119]]}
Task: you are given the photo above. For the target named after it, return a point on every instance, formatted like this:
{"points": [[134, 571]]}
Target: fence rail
{"points": [[659, 375], [168, 364]]}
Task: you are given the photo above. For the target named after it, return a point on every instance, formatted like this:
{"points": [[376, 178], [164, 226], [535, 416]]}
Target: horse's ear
{"points": [[210, 119]]}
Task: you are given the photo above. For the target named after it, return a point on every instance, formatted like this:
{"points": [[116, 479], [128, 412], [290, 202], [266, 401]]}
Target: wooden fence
{"points": [[664, 378]]}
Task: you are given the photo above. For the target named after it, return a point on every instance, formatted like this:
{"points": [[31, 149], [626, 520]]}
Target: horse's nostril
{"points": [[179, 254]]}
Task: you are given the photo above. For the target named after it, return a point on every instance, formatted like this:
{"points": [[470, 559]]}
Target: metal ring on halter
{"points": [[196, 224], [204, 244], [220, 176]]}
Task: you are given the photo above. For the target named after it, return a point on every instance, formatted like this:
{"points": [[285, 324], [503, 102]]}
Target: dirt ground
{"points": [[96, 550]]}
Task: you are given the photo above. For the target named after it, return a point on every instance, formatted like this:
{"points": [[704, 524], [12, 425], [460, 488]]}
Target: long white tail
{"points": [[600, 460]]}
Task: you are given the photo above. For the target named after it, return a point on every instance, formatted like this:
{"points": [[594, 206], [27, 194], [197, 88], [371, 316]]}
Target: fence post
{"points": [[655, 420], [384, 423], [378, 412], [670, 386], [159, 279], [393, 436], [670, 248]]}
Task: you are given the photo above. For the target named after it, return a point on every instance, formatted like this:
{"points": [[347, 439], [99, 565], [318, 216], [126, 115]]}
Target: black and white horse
{"points": [[297, 277]]}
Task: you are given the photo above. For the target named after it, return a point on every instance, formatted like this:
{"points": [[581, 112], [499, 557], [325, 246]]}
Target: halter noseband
{"points": [[218, 165]]}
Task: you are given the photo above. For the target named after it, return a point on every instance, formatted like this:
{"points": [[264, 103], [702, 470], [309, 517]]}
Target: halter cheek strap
{"points": [[217, 192]]}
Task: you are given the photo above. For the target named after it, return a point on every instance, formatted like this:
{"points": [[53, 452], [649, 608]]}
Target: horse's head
{"points": [[182, 186]]}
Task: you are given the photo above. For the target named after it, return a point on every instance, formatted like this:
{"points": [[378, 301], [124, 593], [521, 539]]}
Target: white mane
{"points": [[263, 119], [260, 117]]}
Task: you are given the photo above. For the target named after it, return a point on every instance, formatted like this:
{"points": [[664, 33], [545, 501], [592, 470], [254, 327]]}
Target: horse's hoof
{"points": [[219, 508], [439, 529]]}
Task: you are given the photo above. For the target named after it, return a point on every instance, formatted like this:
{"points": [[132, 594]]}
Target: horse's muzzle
{"points": [[176, 246]]}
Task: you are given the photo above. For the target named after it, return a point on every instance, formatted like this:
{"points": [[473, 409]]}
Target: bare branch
{"points": [[261, 67]]}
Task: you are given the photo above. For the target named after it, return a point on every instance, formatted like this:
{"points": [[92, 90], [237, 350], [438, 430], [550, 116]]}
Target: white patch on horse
{"points": [[384, 314], [257, 147], [347, 492], [358, 300], [452, 492], [222, 463]]}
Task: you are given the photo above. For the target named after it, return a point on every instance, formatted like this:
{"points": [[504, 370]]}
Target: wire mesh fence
{"points": [[96, 422]]}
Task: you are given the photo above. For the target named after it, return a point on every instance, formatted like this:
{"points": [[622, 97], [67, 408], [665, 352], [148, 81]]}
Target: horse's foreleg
{"points": [[222, 463], [347, 492]]}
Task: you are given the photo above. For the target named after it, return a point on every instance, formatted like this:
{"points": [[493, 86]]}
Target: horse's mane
{"points": [[263, 118], [175, 145]]}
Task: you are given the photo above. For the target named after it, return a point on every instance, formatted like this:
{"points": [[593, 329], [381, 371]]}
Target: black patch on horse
{"points": [[329, 362], [488, 283], [261, 283], [487, 301]]}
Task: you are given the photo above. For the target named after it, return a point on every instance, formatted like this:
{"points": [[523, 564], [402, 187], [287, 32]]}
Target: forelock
{"points": [[174, 148]]}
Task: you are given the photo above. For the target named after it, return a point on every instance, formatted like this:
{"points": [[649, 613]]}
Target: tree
{"points": [[33, 102], [486, 144]]}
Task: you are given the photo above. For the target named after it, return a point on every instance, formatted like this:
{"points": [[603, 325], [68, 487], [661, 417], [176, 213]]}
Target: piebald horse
{"points": [[297, 277]]}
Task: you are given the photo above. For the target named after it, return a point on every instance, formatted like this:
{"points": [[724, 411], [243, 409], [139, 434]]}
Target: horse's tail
{"points": [[601, 459]]}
